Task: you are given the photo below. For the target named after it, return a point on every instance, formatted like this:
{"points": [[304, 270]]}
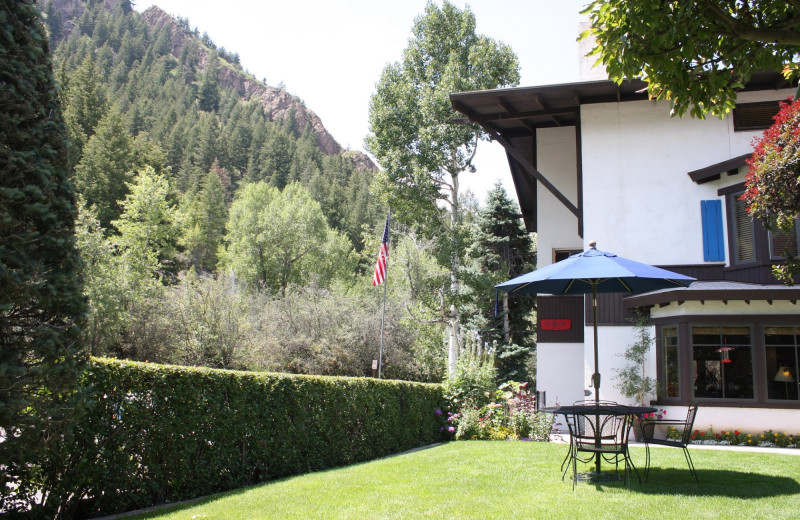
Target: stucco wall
{"points": [[639, 202], [638, 199], [557, 161]]}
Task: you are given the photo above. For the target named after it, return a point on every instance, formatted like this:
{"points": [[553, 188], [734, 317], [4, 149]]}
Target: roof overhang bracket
{"points": [[520, 159]]}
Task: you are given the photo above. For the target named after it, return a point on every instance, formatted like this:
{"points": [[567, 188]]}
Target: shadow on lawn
{"points": [[723, 483]]}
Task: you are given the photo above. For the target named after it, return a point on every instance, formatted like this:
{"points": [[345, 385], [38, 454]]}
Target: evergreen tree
{"points": [[208, 91], [203, 217], [84, 106], [147, 224], [107, 164], [501, 249], [41, 306]]}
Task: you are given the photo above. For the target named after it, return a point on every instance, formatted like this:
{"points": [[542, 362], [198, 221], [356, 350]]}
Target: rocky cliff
{"points": [[277, 103]]}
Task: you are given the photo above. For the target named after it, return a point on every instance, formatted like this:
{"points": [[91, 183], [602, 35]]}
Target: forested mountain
{"points": [[219, 224], [161, 94]]}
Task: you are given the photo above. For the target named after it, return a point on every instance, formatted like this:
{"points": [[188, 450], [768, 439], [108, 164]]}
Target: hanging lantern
{"points": [[724, 354]]}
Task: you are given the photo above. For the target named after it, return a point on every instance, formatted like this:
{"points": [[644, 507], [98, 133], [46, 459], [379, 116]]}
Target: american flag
{"points": [[383, 256]]}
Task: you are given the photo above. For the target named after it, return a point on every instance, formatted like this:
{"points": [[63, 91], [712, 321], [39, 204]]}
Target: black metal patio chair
{"points": [[601, 431], [648, 435], [576, 426]]}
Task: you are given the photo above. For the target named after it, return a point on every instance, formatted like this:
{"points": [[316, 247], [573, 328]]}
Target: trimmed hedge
{"points": [[155, 434]]}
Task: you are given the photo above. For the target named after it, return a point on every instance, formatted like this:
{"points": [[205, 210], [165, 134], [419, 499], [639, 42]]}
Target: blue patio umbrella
{"points": [[592, 272]]}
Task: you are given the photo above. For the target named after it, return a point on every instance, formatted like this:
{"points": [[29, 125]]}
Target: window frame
{"points": [[762, 237], [757, 323]]}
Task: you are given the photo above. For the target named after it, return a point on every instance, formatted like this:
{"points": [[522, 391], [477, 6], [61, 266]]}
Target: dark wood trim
{"points": [[524, 184], [518, 157], [733, 188], [728, 403], [683, 295], [714, 171], [579, 172]]}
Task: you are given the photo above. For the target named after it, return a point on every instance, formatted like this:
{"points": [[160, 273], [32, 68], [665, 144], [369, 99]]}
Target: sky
{"points": [[331, 53]]}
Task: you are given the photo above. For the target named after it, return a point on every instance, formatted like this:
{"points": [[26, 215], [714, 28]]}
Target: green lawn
{"points": [[482, 479]]}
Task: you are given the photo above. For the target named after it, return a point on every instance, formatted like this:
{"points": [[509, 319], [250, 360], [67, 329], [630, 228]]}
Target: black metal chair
{"points": [[648, 435], [601, 431], [576, 426]]}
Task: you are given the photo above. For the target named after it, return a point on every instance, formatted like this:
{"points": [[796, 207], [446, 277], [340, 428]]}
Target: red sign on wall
{"points": [[555, 324]]}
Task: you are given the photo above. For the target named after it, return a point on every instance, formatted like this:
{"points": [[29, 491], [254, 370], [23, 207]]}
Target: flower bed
{"points": [[509, 414], [767, 439]]}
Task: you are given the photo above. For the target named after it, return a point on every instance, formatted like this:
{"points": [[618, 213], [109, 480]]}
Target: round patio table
{"points": [[597, 409]]}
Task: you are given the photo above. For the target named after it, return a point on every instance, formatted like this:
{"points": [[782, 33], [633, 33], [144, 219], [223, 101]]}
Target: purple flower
{"points": [[438, 412], [451, 429], [441, 429]]}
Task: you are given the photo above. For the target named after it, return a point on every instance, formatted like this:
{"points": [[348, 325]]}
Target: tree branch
{"points": [[739, 28]]}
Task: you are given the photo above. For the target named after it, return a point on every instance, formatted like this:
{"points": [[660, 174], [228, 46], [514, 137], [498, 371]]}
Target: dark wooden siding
{"points": [[560, 307], [612, 311]]}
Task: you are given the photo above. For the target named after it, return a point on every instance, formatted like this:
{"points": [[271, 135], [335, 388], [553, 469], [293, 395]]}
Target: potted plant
{"points": [[632, 380]]}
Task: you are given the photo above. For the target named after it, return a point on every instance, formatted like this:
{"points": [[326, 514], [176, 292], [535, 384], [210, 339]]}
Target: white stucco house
{"points": [[597, 161]]}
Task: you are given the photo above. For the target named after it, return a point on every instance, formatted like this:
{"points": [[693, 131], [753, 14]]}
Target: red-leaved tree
{"points": [[773, 180]]}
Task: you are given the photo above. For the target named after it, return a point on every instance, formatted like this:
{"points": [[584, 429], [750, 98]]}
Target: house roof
{"points": [[715, 291], [517, 112], [511, 117]]}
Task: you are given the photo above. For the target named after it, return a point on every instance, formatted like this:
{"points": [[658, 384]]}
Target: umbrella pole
{"points": [[596, 375]]}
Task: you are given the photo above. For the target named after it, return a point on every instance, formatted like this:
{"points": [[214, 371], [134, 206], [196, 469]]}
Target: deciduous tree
{"points": [[695, 54], [411, 130], [280, 238]]}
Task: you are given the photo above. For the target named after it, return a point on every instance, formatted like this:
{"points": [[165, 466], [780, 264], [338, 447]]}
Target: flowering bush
{"points": [[510, 413], [768, 438], [646, 418]]}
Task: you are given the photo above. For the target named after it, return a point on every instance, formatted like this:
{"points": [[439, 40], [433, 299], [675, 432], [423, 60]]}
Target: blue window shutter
{"points": [[713, 239]]}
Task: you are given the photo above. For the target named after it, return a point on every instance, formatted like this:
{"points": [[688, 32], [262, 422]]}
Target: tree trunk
{"points": [[454, 320]]}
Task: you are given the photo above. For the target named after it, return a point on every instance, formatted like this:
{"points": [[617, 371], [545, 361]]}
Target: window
{"points": [[754, 116], [754, 363], [723, 362], [781, 347], [563, 254], [750, 243], [782, 242], [744, 244], [669, 362]]}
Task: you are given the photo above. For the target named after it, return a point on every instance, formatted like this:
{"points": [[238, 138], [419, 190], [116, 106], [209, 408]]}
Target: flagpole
{"points": [[383, 318], [383, 312]]}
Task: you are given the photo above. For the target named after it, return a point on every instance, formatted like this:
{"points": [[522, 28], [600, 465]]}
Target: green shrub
{"points": [[509, 414], [156, 433]]}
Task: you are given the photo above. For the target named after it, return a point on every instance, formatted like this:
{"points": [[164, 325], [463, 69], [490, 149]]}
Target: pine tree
{"points": [[84, 106], [106, 165], [41, 306], [208, 92], [502, 249], [203, 217]]}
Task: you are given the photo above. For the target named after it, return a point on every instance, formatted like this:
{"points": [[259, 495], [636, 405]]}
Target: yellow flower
{"points": [[749, 434]]}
